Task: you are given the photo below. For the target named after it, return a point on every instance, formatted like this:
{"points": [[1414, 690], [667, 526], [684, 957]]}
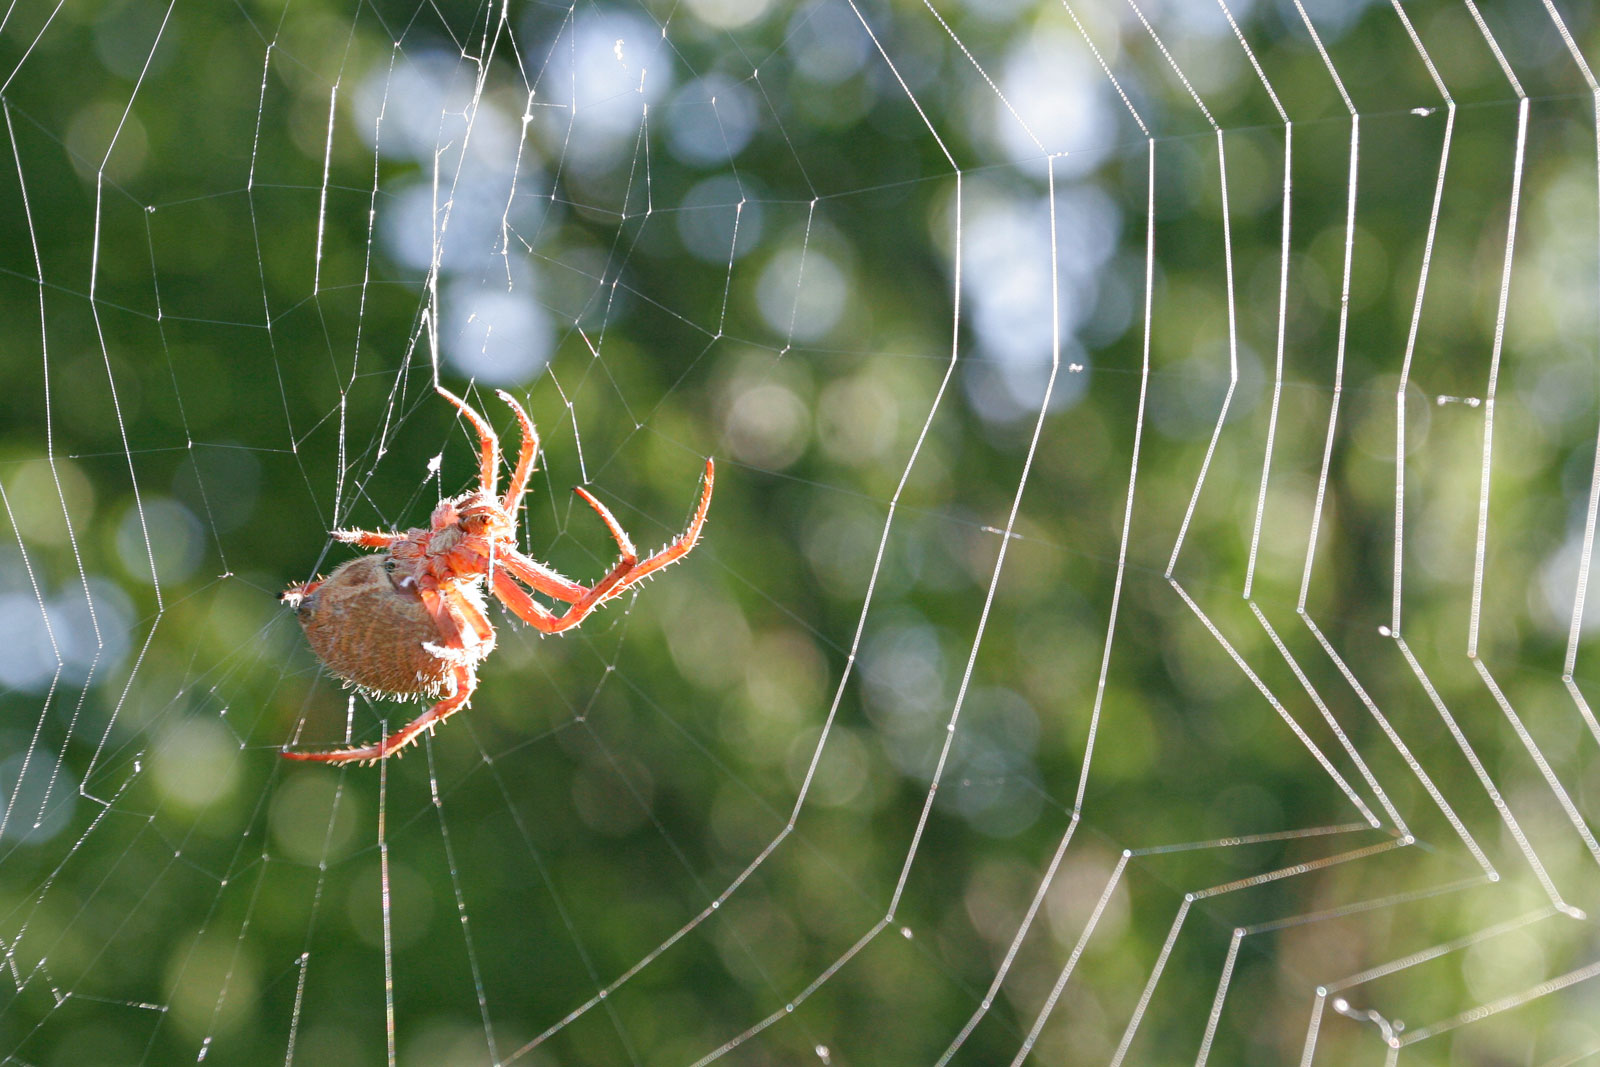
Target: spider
{"points": [[411, 622]]}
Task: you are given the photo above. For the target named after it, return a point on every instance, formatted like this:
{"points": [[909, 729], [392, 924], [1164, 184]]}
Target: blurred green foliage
{"points": [[732, 230]]}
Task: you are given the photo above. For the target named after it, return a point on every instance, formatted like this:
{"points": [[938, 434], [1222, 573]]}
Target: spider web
{"points": [[1126, 415]]}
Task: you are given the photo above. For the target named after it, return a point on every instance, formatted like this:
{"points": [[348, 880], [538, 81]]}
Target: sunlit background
{"points": [[1068, 670]]}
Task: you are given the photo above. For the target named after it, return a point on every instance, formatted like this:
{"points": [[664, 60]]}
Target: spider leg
{"points": [[541, 618], [523, 606], [488, 443], [540, 577], [298, 592], [679, 547], [447, 622], [583, 600], [366, 538], [525, 455], [465, 683], [465, 633], [627, 571], [462, 609], [618, 534]]}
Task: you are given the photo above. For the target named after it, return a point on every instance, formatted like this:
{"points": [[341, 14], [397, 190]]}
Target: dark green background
{"points": [[606, 787]]}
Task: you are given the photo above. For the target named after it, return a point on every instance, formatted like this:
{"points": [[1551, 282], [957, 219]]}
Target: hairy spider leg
{"points": [[488, 443], [452, 615], [618, 534], [558, 585], [627, 571], [526, 454], [541, 578], [522, 605], [366, 538], [465, 682], [297, 593], [459, 606], [541, 618], [680, 547]]}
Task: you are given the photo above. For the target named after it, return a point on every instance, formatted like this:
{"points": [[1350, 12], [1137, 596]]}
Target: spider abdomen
{"points": [[374, 632]]}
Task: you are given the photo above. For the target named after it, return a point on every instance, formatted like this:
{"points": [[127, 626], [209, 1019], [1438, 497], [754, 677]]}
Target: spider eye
{"points": [[388, 565]]}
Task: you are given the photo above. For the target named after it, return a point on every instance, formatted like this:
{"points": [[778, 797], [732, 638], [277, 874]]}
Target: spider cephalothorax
{"points": [[411, 622]]}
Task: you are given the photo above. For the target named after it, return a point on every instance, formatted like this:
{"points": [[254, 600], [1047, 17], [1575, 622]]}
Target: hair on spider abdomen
{"points": [[374, 631]]}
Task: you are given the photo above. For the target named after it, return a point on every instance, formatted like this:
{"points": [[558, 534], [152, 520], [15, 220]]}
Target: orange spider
{"points": [[411, 622]]}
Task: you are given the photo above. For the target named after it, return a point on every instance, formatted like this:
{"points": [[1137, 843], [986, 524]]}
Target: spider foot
{"points": [[296, 593]]}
